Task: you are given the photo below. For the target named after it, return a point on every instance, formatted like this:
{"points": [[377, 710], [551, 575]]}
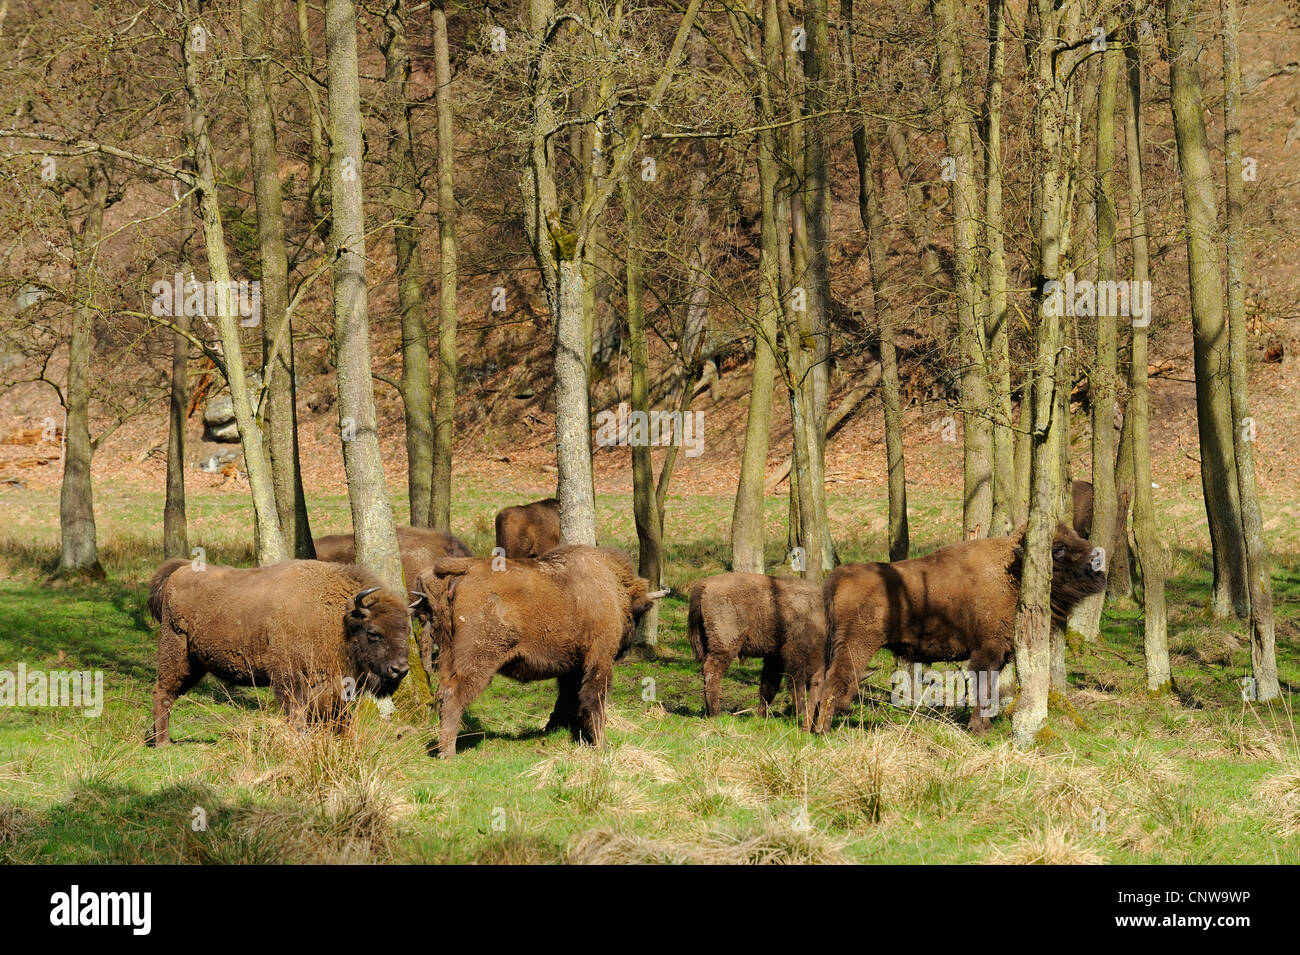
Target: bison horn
{"points": [[423, 598], [363, 595], [656, 595]]}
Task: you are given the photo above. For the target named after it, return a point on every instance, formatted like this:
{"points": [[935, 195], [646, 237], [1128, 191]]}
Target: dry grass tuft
{"points": [[775, 844], [1048, 845], [1279, 794]]}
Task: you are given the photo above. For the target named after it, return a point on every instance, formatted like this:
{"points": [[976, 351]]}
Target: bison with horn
{"points": [[316, 633], [569, 615]]}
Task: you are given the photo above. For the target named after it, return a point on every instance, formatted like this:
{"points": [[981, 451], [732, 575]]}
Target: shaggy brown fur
{"points": [[529, 530], [419, 548], [780, 619], [302, 627], [569, 614], [958, 603]]}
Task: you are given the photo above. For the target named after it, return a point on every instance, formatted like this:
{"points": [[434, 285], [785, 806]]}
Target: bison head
{"points": [[377, 636], [1078, 571]]}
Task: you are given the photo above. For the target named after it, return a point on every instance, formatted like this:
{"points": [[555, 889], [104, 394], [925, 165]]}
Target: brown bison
{"points": [[316, 633], [419, 548], [957, 603], [780, 619], [569, 614], [529, 530]]}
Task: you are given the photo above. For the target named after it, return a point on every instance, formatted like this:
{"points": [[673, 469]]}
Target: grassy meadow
{"points": [[1121, 778]]}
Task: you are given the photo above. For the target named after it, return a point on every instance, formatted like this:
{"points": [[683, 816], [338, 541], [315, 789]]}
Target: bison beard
{"points": [[568, 615], [419, 547], [529, 530], [302, 627], [955, 604], [780, 619]]}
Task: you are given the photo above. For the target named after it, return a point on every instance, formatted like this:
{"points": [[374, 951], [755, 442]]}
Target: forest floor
{"points": [[1197, 777]]}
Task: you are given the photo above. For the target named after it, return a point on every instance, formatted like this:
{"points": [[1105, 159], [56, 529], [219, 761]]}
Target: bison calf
{"points": [[569, 614], [955, 604], [419, 548], [316, 633], [529, 530], [780, 619]]}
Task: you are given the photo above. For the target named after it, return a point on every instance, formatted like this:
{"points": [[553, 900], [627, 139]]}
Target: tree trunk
{"points": [[404, 201], [649, 528], [1119, 577], [445, 415], [1263, 656], [996, 315], [372, 513], [977, 435], [1033, 610], [176, 540], [873, 223], [316, 149], [747, 514], [1210, 339], [1150, 542], [79, 553], [277, 334], [1102, 376], [269, 542]]}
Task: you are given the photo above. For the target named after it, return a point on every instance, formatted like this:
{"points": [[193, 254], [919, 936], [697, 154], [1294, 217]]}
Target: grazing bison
{"points": [[780, 619], [957, 603], [316, 633], [419, 548], [529, 530], [569, 614]]}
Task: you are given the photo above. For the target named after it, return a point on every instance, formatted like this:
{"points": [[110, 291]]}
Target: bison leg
{"points": [[769, 682], [991, 666], [177, 673], [715, 665], [565, 714], [454, 694], [590, 726]]}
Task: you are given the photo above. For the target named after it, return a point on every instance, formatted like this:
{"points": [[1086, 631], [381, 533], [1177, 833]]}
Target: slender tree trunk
{"points": [[269, 542], [79, 553], [977, 434], [1119, 562], [316, 150], [649, 524], [1262, 641], [996, 315], [1033, 610], [1101, 382], [404, 201], [372, 513], [747, 514], [277, 333], [176, 540], [1209, 334], [1148, 536], [445, 416], [873, 223]]}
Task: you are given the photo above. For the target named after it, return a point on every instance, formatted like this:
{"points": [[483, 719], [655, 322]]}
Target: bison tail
{"points": [[168, 568], [695, 624]]}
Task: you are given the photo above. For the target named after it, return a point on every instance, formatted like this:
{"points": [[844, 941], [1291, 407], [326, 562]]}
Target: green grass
{"points": [[1199, 777]]}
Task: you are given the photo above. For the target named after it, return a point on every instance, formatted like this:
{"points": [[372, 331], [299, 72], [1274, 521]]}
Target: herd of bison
{"points": [[538, 609]]}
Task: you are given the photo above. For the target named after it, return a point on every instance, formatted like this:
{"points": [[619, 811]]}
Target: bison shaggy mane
{"points": [[316, 633]]}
